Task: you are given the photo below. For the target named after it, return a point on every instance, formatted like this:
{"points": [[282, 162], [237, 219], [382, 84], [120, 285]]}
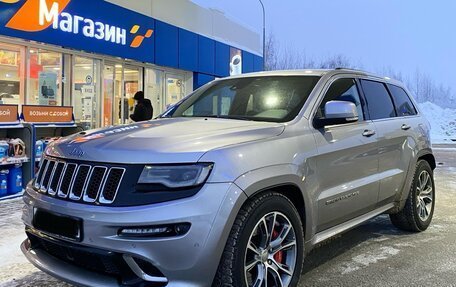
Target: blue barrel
{"points": [[4, 147], [39, 148], [3, 182], [15, 179]]}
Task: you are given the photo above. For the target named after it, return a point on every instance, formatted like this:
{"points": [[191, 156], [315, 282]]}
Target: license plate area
{"points": [[57, 225]]}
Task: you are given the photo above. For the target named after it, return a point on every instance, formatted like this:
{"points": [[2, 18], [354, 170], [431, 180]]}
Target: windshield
{"points": [[274, 99]]}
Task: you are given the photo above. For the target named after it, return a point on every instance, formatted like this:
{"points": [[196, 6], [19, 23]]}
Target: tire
{"points": [[415, 217], [250, 227]]}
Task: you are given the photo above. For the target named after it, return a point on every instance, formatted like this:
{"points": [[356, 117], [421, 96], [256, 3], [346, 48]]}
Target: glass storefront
{"points": [[100, 89], [44, 74], [12, 75]]}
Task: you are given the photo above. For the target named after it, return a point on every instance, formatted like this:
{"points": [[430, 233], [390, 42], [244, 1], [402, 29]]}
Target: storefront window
{"points": [[11, 74], [112, 95], [154, 89], [44, 78], [86, 91], [175, 89]]}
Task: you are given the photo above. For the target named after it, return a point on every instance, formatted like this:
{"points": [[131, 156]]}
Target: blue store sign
{"points": [[94, 26]]}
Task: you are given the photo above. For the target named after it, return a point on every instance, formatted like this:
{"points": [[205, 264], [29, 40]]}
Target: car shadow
{"points": [[332, 248], [35, 279]]}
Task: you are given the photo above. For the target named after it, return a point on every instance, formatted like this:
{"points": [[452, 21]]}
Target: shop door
{"points": [[132, 84], [175, 89], [86, 91], [112, 94]]}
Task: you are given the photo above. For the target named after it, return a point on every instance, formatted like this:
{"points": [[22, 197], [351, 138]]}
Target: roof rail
{"points": [[349, 69]]}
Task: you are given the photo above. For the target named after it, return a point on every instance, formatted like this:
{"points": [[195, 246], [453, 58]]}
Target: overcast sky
{"points": [[404, 34]]}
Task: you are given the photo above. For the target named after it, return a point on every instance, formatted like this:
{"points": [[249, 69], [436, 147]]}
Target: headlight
{"points": [[176, 176]]}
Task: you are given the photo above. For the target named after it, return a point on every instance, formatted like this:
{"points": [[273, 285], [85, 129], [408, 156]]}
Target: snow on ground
{"points": [[442, 120]]}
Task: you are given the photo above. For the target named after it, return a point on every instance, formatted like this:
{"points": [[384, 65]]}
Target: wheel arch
{"points": [[290, 185], [429, 157], [424, 154]]}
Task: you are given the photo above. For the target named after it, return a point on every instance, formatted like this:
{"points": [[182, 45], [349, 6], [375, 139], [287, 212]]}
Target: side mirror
{"points": [[338, 112]]}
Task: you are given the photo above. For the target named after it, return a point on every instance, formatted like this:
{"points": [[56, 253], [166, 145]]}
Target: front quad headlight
{"points": [[175, 176]]}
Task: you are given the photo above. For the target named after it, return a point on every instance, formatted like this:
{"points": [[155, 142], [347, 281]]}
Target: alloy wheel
{"points": [[271, 253], [425, 195]]}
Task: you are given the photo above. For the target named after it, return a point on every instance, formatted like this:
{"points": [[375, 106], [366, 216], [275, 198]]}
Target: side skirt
{"points": [[333, 231]]}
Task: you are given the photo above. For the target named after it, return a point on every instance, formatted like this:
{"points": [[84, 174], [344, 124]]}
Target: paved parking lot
{"points": [[374, 254]]}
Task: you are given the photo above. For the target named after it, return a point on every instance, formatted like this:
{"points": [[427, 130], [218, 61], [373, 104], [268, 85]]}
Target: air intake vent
{"points": [[111, 185], [95, 183], [79, 182], [39, 177], [52, 190], [66, 180], [47, 176]]}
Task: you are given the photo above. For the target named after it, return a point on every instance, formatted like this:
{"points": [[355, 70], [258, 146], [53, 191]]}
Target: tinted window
{"points": [[276, 99], [342, 90], [404, 106], [379, 102]]}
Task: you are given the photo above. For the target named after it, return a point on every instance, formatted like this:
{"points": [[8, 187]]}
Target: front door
{"points": [[347, 161]]}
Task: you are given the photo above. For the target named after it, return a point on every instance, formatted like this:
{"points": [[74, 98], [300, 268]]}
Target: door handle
{"points": [[405, 127], [368, 133]]}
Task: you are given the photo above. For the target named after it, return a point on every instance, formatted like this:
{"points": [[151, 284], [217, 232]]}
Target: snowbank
{"points": [[442, 120]]}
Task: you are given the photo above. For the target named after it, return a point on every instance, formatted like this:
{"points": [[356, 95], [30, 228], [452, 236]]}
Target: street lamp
{"points": [[264, 34]]}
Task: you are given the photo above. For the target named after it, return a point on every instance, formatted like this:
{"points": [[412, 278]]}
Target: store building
{"points": [[94, 55]]}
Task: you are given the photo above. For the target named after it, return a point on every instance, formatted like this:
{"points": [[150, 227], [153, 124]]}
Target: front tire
{"points": [[419, 208], [265, 247]]}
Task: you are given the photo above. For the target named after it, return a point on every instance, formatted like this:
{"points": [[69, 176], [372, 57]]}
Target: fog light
{"points": [[156, 231]]}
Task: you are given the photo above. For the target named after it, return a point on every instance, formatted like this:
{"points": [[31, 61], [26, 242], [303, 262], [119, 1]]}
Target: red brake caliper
{"points": [[278, 257]]}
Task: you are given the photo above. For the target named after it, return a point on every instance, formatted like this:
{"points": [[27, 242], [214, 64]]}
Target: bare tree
{"points": [[421, 85]]}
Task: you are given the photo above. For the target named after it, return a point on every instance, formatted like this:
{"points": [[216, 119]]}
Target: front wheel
{"points": [[419, 208], [265, 247]]}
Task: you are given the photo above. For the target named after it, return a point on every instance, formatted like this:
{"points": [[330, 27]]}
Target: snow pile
{"points": [[442, 120]]}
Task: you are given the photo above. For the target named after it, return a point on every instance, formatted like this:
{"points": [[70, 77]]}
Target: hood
{"points": [[161, 141]]}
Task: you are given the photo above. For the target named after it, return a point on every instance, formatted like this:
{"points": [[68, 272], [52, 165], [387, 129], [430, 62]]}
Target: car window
{"points": [[379, 101], [404, 105], [275, 98], [342, 90]]}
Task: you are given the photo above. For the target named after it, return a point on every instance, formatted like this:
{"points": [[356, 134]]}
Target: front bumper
{"points": [[188, 260]]}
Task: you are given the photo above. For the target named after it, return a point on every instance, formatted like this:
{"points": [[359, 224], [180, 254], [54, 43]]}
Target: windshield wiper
{"points": [[242, 118]]}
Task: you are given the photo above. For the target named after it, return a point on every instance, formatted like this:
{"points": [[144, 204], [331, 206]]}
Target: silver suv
{"points": [[233, 185]]}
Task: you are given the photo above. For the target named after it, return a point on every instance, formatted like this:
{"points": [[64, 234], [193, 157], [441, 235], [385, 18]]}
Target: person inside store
{"points": [[143, 109]]}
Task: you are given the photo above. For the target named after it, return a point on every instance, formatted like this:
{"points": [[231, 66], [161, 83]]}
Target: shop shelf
{"points": [[12, 196], [12, 160]]}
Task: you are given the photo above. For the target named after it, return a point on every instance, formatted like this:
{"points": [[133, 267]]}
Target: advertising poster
{"points": [[47, 88], [235, 62]]}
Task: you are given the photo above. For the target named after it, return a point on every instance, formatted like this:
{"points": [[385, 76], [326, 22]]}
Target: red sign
{"points": [[8, 113], [47, 114]]}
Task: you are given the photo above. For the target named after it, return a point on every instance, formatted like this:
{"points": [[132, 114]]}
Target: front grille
{"points": [[79, 182]]}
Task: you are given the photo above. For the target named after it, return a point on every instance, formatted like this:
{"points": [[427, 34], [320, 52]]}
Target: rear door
{"points": [[395, 145], [347, 161]]}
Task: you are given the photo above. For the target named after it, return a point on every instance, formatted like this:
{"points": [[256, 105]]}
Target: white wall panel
{"points": [[208, 22]]}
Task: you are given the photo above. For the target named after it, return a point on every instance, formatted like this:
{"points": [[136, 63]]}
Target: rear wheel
{"points": [[265, 247], [419, 208]]}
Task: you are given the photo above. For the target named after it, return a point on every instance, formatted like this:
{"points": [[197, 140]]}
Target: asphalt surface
{"points": [[374, 254]]}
